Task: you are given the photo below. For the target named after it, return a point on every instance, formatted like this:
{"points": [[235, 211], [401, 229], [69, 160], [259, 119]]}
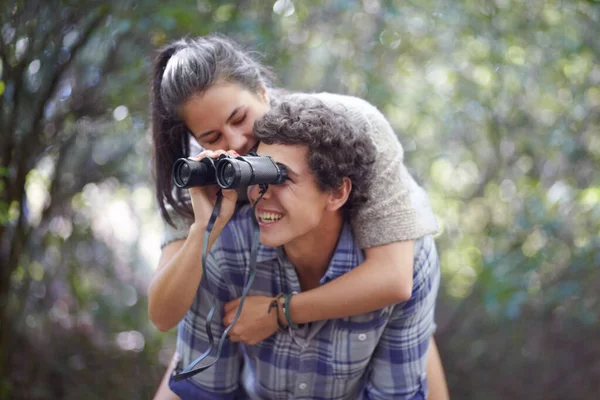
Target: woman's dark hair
{"points": [[182, 69], [336, 149]]}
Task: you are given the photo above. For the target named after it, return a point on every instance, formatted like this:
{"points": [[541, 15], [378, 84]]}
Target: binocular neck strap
{"points": [[190, 371]]}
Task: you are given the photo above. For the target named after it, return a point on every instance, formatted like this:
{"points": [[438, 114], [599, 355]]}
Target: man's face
{"points": [[294, 209]]}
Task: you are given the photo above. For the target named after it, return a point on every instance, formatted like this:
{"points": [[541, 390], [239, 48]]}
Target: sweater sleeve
{"points": [[398, 208]]}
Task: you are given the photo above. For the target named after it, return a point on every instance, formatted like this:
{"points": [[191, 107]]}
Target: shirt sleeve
{"points": [[178, 232], [398, 367], [222, 380], [398, 208]]}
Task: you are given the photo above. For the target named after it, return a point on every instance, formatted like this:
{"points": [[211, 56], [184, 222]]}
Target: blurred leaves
{"points": [[495, 102]]}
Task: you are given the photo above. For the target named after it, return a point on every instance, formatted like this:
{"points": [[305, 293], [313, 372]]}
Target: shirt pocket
{"points": [[352, 352]]}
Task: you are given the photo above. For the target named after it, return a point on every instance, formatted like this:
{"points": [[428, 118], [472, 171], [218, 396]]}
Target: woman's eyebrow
{"points": [[235, 110]]}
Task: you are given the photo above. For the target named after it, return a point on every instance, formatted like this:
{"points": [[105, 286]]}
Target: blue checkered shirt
{"points": [[377, 355]]}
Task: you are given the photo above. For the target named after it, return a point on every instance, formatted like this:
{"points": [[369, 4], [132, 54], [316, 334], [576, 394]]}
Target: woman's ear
{"points": [[339, 197], [262, 93]]}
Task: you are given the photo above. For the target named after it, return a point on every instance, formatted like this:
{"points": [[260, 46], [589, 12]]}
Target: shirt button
{"points": [[302, 386], [362, 337]]}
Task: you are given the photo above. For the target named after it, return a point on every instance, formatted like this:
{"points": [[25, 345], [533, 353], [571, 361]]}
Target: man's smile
{"points": [[266, 217]]}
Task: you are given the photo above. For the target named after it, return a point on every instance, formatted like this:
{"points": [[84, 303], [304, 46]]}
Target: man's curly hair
{"points": [[336, 149]]}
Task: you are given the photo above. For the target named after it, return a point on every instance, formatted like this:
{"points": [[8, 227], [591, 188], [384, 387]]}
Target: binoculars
{"points": [[228, 172]]}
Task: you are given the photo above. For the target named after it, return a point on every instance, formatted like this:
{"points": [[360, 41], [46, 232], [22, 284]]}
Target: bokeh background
{"points": [[496, 103]]}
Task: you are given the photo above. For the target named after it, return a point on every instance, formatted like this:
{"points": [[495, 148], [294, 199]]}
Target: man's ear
{"points": [[339, 197]]}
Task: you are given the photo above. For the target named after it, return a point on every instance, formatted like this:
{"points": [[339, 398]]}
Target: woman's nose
{"points": [[236, 140]]}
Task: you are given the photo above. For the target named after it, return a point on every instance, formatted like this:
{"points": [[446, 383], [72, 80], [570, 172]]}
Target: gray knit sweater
{"points": [[398, 208]]}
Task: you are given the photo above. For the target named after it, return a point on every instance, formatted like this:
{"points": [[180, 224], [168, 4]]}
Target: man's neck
{"points": [[312, 253]]}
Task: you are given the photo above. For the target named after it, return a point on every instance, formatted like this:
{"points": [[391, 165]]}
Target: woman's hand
{"points": [[204, 198], [255, 323]]}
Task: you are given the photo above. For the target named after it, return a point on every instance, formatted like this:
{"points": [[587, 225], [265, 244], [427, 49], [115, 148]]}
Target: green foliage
{"points": [[495, 102]]}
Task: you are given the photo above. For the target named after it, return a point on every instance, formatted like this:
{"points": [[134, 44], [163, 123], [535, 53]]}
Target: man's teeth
{"points": [[269, 217]]}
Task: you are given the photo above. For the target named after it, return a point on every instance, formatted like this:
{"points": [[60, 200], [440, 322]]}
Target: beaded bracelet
{"points": [[286, 310]]}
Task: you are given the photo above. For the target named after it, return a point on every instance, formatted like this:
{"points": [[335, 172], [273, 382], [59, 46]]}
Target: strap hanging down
{"points": [[190, 371]]}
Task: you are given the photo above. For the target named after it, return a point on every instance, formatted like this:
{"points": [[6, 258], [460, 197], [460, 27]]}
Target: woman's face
{"points": [[224, 115]]}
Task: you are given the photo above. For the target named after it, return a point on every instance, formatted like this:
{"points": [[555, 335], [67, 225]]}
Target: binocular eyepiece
{"points": [[228, 172]]}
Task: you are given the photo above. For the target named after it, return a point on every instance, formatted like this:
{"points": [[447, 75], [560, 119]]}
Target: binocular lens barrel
{"points": [[238, 172], [233, 173], [188, 173]]}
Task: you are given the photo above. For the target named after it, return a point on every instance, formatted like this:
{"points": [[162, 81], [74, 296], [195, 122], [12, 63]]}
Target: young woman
{"points": [[209, 91]]}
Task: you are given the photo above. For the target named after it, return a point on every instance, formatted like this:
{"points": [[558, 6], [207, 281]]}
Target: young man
{"points": [[306, 241]]}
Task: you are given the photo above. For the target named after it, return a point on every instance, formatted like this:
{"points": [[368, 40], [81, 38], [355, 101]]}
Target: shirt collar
{"points": [[266, 253], [347, 255]]}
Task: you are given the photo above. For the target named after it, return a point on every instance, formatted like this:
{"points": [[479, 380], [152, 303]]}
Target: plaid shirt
{"points": [[377, 355]]}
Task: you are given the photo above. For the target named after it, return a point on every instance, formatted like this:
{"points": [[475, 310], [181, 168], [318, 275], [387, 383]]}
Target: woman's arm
{"points": [[175, 281], [384, 278], [436, 379]]}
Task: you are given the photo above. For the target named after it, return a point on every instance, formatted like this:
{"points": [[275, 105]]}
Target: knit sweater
{"points": [[398, 208]]}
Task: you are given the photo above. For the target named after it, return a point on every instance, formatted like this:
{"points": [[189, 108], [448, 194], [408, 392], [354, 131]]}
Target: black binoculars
{"points": [[228, 172]]}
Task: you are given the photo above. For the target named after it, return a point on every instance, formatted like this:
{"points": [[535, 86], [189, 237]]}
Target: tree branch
{"points": [[27, 150], [30, 142], [64, 150]]}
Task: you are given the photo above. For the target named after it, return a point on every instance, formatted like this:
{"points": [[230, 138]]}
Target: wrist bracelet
{"points": [[275, 304], [286, 310]]}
